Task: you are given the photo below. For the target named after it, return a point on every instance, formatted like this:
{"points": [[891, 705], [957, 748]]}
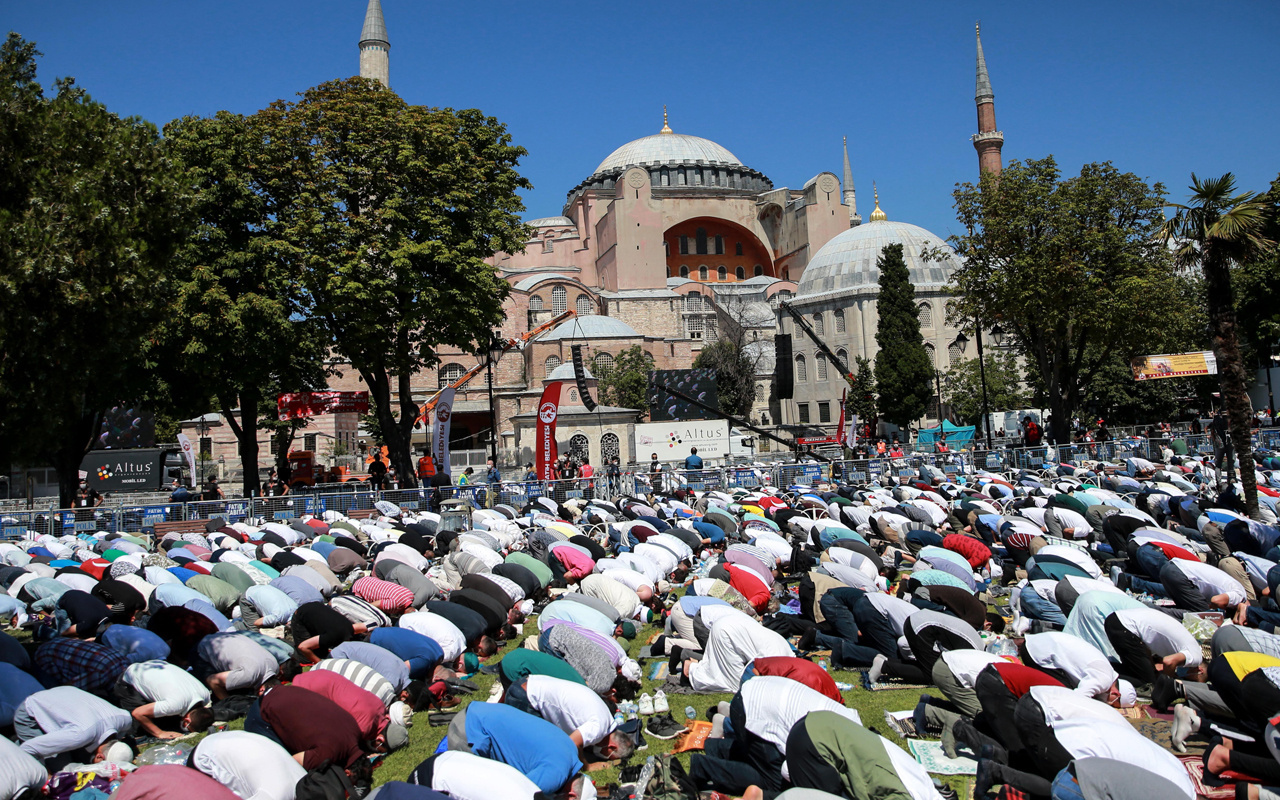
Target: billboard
{"points": [[672, 440], [700, 384], [124, 427], [300, 405], [1174, 365]]}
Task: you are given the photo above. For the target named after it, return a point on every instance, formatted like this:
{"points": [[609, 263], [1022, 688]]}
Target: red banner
{"points": [[300, 405], [840, 427], [548, 409]]}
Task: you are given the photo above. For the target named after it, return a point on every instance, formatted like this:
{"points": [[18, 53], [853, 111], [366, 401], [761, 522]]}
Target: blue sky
{"points": [[1161, 89]]}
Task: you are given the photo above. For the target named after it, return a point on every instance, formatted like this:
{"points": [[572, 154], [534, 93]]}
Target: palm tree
{"points": [[1215, 230]]}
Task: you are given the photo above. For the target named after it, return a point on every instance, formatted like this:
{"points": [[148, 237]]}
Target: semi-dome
{"points": [[591, 326], [565, 372], [667, 148], [848, 262]]}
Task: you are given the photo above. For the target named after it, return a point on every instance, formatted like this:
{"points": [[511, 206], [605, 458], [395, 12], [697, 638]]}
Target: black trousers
{"points": [[1136, 662], [1186, 595], [998, 706], [928, 644], [1046, 754], [734, 763], [809, 770]]}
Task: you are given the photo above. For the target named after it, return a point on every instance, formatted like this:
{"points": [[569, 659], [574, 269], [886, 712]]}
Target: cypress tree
{"points": [[904, 375]]}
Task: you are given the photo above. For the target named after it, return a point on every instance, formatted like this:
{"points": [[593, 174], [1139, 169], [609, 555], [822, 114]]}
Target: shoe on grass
{"points": [[662, 726], [660, 705], [646, 705]]}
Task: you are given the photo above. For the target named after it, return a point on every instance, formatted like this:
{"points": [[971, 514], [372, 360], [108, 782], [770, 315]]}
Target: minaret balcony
{"points": [[988, 136]]}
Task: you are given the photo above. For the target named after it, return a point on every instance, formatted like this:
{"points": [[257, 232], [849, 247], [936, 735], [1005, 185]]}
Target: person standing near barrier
{"points": [[586, 472], [377, 472], [426, 468], [493, 477], [613, 476]]}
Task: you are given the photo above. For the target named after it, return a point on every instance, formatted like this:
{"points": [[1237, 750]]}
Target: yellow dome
{"points": [[877, 215]]}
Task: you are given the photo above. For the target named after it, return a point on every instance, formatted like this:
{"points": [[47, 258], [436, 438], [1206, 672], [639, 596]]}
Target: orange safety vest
{"points": [[426, 467]]}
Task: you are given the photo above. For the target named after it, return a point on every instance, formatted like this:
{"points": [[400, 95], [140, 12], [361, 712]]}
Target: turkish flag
{"points": [[548, 409]]}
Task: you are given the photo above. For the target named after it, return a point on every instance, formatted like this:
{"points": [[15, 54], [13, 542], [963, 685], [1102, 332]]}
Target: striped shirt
{"points": [[362, 676], [388, 596]]}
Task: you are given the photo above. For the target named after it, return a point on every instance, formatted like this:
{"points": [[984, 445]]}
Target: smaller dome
{"points": [[667, 148], [552, 222], [848, 261], [564, 372], [590, 326]]}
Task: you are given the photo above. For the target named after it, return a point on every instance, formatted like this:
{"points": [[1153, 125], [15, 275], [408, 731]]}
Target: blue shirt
{"points": [[379, 659], [541, 751], [206, 608], [137, 644], [298, 589], [577, 613], [272, 603], [693, 461], [176, 594], [708, 531], [422, 653], [15, 687]]}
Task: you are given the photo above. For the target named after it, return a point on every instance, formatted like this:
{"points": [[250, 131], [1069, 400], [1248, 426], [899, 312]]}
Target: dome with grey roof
{"points": [[668, 148], [564, 372], [590, 326], [848, 261], [552, 222]]}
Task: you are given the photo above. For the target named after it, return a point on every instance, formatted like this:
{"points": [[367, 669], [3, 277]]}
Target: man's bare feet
{"points": [[753, 793]]}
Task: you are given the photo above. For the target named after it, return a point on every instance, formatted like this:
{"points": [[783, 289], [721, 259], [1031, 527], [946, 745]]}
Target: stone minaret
{"points": [[850, 196], [987, 141], [375, 50]]}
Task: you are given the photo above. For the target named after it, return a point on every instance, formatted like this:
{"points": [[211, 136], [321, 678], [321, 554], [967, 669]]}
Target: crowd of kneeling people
{"points": [[328, 634]]}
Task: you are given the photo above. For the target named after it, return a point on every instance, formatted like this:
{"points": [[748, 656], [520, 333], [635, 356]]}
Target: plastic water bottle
{"points": [[690, 713], [646, 775], [619, 717], [826, 665]]}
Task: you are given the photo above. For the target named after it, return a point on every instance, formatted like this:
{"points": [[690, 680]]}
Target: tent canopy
{"points": [[957, 435]]}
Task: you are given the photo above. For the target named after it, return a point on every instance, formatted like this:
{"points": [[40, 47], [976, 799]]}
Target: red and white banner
{"points": [[190, 453], [440, 431], [852, 433], [840, 427], [548, 410], [301, 405]]}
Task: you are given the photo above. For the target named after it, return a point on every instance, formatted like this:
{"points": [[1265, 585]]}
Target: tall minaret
{"points": [[987, 141], [375, 55], [850, 196]]}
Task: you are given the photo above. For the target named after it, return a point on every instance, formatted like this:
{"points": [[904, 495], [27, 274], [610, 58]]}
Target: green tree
{"points": [[962, 387], [386, 213], [626, 383], [91, 211], [904, 373], [735, 376], [1256, 282], [1216, 230], [862, 396], [236, 297], [1070, 269]]}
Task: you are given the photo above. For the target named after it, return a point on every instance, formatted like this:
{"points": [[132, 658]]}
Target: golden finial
{"points": [[665, 127], [877, 215], [977, 27]]}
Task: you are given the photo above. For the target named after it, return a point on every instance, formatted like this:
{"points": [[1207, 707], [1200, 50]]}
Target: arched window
{"points": [[820, 366], [584, 306], [843, 355], [741, 273], [684, 245], [954, 353], [552, 363], [684, 272], [722, 274], [450, 373], [737, 248], [802, 372], [839, 315], [933, 354], [700, 241], [926, 315], [759, 270], [579, 447], [535, 303], [719, 245], [693, 302], [818, 326], [609, 448], [702, 273], [559, 300], [603, 363]]}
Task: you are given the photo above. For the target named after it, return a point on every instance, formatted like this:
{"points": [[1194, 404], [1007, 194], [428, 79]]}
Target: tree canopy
{"points": [[962, 387], [904, 373], [91, 213], [626, 383], [735, 376], [862, 396], [385, 214], [1071, 269]]}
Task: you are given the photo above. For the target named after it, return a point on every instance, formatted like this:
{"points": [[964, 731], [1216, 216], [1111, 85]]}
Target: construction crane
{"points": [[507, 345], [812, 334]]}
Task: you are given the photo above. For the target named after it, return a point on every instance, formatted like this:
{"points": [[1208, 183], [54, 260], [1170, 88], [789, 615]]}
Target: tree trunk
{"points": [[1232, 379], [246, 431], [397, 440], [70, 452], [408, 416]]}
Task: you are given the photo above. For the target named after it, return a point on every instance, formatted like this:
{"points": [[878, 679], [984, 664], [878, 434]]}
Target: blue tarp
{"points": [[958, 436]]}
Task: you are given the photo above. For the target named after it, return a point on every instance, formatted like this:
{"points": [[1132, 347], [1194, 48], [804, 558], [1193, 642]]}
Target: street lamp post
{"points": [[963, 341], [1271, 398], [496, 350]]}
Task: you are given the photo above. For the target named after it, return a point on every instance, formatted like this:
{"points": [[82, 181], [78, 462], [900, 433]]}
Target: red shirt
{"points": [[390, 597], [1019, 678], [313, 725], [750, 586], [973, 550], [800, 671], [577, 564], [369, 712]]}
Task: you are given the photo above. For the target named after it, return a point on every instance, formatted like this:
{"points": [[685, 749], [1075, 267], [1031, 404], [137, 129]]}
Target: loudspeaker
{"points": [[784, 381]]}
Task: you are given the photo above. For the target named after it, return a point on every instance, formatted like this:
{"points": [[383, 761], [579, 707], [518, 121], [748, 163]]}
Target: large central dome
{"points": [[848, 262], [667, 148]]}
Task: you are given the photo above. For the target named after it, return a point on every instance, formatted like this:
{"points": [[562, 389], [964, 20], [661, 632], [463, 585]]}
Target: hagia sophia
{"points": [[670, 243]]}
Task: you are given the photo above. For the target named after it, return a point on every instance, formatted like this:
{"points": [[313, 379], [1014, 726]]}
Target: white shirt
{"points": [[1211, 580], [570, 707], [1078, 557], [1084, 737], [19, 770], [488, 556], [617, 594], [647, 567], [673, 543], [966, 664], [778, 547], [735, 641], [248, 764], [850, 576], [895, 609], [1086, 664], [911, 772], [438, 629], [1070, 519], [1059, 703], [852, 558], [1033, 513], [467, 776], [173, 690], [775, 704], [664, 560], [1162, 633], [627, 577]]}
